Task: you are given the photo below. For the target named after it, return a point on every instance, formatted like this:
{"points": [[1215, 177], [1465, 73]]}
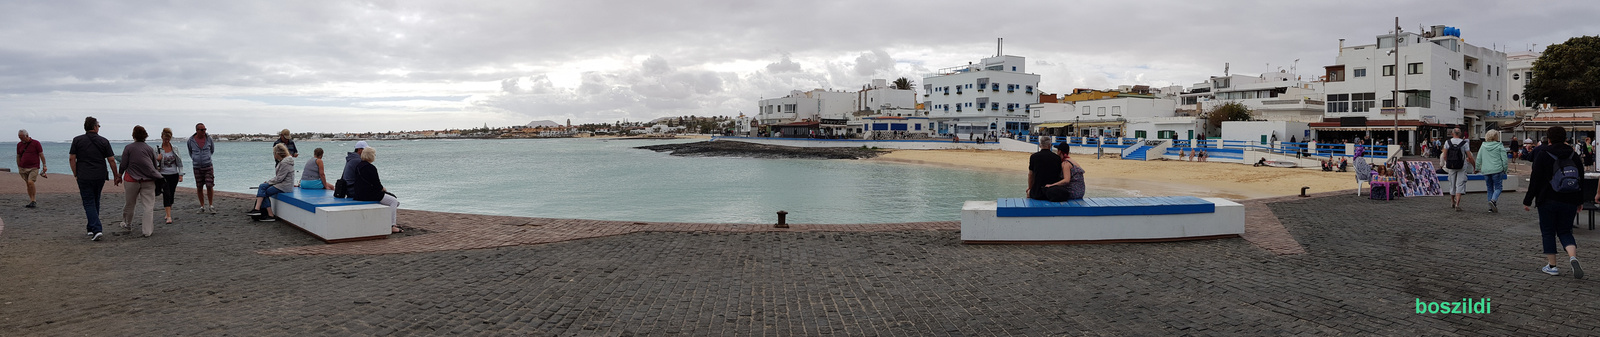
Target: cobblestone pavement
{"points": [[1366, 263]]}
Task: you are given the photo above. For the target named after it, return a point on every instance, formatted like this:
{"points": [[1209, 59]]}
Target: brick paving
{"points": [[1364, 264]]}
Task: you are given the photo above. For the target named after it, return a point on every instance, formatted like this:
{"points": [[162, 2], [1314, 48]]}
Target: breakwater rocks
{"points": [[753, 150]]}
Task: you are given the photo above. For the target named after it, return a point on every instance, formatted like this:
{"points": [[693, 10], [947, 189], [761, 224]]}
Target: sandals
{"points": [[169, 220], [395, 229]]}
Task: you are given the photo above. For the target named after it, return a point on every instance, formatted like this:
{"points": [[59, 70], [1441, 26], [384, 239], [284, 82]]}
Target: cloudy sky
{"points": [[339, 66]]}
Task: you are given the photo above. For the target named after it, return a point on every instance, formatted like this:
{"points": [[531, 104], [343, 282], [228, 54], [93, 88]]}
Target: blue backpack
{"points": [[1566, 176]]}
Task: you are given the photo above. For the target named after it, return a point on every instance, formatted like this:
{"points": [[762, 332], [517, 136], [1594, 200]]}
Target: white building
{"points": [[1520, 66], [879, 96], [1276, 96], [1138, 116], [991, 95], [1444, 83], [813, 105]]}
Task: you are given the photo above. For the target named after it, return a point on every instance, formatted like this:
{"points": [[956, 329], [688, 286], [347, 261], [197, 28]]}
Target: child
{"points": [[312, 177]]}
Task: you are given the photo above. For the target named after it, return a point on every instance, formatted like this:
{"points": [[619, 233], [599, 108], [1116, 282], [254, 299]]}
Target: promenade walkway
{"points": [[1360, 267]]}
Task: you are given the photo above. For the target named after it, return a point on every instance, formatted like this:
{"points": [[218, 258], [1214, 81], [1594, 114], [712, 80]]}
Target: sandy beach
{"points": [[1225, 180]]}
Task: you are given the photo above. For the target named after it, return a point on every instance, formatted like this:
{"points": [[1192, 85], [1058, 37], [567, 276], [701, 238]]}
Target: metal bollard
{"points": [[781, 220], [1303, 191]]}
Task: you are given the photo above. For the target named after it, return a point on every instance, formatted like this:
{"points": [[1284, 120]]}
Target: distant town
{"points": [[537, 129]]}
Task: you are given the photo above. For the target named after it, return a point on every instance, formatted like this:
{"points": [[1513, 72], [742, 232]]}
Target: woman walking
{"points": [[1492, 165], [139, 181], [1557, 210], [171, 167]]}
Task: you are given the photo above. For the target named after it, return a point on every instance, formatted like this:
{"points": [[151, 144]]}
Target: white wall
{"points": [[942, 102], [1253, 130]]}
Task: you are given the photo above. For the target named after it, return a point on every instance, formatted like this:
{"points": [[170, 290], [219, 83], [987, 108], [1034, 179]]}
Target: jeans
{"points": [[1555, 223], [1494, 182], [89, 190], [266, 191]]}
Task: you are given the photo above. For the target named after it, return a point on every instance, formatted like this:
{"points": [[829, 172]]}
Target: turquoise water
{"points": [[610, 180]]}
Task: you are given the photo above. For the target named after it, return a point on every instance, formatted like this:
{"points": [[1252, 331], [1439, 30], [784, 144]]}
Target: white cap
{"points": [[1527, 141], [361, 144]]}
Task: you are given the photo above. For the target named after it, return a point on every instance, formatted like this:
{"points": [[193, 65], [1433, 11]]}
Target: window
{"points": [[1455, 74], [1138, 134], [1029, 89], [1116, 110], [1361, 102], [1388, 103], [1359, 72], [1338, 103], [1515, 76], [1388, 70], [1452, 103], [1086, 109], [1421, 99], [997, 87], [1515, 97], [1101, 111], [1413, 68]]}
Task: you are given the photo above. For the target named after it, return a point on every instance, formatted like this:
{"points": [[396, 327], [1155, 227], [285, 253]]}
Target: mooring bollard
{"points": [[1303, 191], [781, 220]]}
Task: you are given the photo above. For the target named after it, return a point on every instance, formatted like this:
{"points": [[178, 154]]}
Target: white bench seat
{"points": [[330, 219]]}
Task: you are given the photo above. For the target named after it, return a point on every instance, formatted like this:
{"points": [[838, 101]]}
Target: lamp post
{"points": [[1396, 94]]}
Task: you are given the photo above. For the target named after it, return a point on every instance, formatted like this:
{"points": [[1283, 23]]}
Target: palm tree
{"points": [[902, 84]]}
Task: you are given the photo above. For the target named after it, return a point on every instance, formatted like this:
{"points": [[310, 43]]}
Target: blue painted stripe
{"points": [[1023, 207], [309, 200]]}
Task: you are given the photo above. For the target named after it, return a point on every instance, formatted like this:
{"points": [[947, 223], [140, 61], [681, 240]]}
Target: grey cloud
{"points": [[784, 65], [871, 63]]}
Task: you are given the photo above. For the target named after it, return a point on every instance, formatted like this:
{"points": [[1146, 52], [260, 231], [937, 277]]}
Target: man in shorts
{"points": [[201, 146], [30, 162]]}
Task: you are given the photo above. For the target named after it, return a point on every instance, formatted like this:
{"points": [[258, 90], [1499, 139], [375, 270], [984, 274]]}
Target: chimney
{"points": [[1000, 47], [1341, 47]]}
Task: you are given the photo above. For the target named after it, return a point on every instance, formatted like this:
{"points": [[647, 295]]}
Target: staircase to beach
{"points": [[1137, 153]]}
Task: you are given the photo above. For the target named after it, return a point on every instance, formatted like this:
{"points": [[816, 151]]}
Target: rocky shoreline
{"points": [[753, 150]]}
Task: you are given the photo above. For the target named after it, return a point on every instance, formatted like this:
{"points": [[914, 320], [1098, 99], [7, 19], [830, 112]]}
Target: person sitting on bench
{"points": [[280, 182], [368, 187], [1071, 186]]}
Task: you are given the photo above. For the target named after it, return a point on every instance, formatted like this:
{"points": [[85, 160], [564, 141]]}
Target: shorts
{"points": [[312, 185], [204, 176], [1458, 180], [30, 174]]}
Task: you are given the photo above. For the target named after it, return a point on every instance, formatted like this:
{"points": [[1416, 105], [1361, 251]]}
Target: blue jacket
{"points": [[201, 155]]}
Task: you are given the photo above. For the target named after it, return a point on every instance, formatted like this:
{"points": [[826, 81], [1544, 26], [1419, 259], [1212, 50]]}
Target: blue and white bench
{"points": [[330, 219], [1475, 183], [1145, 219]]}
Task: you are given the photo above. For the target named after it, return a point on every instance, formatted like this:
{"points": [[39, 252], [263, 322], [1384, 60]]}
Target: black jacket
{"points": [[1542, 171], [367, 186]]}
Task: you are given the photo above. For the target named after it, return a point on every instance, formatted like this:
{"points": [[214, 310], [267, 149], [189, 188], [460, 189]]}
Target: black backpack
{"points": [[1453, 158], [1567, 174]]}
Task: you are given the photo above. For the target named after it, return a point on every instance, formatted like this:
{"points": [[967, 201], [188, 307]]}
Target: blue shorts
{"points": [[311, 185]]}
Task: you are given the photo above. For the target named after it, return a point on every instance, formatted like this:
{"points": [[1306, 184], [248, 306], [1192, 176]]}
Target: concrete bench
{"points": [[330, 219], [1475, 183], [1146, 219]]}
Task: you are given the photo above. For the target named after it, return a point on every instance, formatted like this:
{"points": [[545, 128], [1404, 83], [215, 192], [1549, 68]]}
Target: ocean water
{"points": [[610, 180]]}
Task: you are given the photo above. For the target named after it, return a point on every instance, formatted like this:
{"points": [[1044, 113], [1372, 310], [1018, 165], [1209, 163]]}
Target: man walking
{"points": [[1457, 153], [1044, 167], [201, 147], [89, 158], [30, 162]]}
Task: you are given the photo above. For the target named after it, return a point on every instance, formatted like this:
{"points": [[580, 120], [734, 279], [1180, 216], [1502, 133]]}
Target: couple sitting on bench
{"points": [[361, 183], [1052, 176]]}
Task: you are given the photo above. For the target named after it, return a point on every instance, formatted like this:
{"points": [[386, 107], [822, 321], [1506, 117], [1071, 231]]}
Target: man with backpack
{"points": [[1553, 183], [1457, 153]]}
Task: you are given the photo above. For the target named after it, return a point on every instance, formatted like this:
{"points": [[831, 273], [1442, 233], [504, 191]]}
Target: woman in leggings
{"points": [[170, 165]]}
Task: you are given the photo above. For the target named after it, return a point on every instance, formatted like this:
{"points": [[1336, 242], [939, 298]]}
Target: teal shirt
{"points": [[1491, 158]]}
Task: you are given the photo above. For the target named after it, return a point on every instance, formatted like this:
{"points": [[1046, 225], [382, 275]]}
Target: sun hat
{"points": [[361, 144]]}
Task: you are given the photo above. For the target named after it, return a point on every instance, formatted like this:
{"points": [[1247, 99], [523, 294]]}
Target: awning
{"points": [[1052, 125], [1362, 128], [1078, 124]]}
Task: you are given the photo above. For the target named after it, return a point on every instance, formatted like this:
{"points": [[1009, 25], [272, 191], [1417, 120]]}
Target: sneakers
{"points": [[1552, 270], [1577, 271], [1494, 207], [253, 212], [96, 236], [263, 218], [32, 204], [202, 210], [212, 209]]}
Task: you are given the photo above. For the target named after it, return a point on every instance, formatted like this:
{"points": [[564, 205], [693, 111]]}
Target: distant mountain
{"points": [[546, 124]]}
